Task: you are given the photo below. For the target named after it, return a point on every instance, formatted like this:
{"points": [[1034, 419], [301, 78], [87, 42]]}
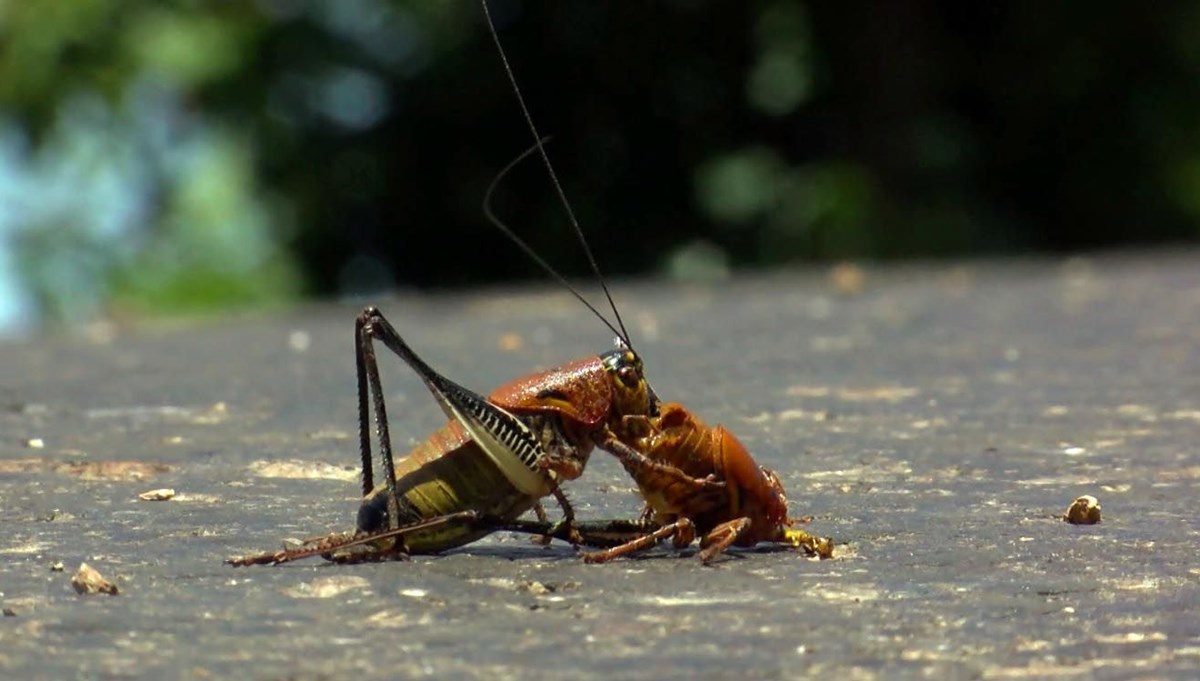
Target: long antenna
{"points": [[553, 175], [491, 215]]}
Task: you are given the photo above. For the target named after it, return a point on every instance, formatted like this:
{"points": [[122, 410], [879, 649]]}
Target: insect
{"points": [[496, 457], [696, 480], [700, 479], [499, 456]]}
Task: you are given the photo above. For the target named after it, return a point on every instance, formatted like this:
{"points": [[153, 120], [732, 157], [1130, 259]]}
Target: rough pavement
{"points": [[936, 421]]}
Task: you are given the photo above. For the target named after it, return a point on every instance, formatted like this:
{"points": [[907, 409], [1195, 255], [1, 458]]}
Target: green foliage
{"points": [[124, 198], [181, 155], [781, 79]]}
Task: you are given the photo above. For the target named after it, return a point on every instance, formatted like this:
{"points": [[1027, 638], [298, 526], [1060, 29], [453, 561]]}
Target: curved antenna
{"points": [[507, 231], [562, 197]]}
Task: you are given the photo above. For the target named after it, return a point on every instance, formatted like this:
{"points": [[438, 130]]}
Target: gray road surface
{"points": [[936, 421]]}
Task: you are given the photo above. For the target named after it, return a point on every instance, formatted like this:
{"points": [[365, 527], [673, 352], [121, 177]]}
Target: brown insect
{"points": [[498, 456], [700, 479], [696, 480]]}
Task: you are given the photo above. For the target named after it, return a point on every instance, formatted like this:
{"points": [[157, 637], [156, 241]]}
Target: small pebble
{"points": [[1083, 511], [88, 581], [157, 494]]}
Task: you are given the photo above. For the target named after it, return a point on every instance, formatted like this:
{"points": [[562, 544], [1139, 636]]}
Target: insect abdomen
{"points": [[446, 473]]}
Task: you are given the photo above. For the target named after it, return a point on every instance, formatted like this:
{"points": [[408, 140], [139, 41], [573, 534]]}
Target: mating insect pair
{"points": [[497, 457]]}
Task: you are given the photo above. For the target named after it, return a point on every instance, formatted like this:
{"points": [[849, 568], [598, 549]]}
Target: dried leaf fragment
{"points": [[1083, 511], [157, 494], [88, 581]]}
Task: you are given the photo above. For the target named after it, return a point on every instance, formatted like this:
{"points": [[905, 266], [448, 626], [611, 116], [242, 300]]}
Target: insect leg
{"points": [[682, 531], [540, 512], [568, 519], [364, 438], [563, 529], [721, 536], [504, 437], [567, 468], [639, 465], [597, 533], [310, 547], [813, 545], [327, 545], [368, 376]]}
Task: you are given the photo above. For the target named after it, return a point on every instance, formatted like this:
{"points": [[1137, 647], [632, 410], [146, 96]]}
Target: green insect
{"points": [[493, 460]]}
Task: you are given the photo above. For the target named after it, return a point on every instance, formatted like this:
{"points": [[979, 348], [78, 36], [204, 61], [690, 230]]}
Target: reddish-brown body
{"points": [[701, 479], [678, 438], [578, 394], [580, 390]]}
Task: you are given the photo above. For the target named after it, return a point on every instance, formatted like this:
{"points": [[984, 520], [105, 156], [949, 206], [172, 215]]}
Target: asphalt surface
{"points": [[935, 420]]}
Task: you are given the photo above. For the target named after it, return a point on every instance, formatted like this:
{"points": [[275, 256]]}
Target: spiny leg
{"points": [[366, 328], [720, 537], [595, 533], [726, 534], [682, 531], [311, 547], [325, 546], [539, 512], [640, 466], [398, 550], [364, 417], [568, 520], [564, 529], [648, 514]]}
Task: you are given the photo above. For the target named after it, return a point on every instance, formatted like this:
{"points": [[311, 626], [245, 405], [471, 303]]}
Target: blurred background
{"points": [[164, 157]]}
